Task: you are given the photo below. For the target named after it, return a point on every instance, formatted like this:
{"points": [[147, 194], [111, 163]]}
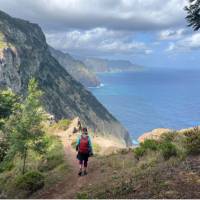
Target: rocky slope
{"points": [[76, 68], [24, 53], [105, 65], [154, 134]]}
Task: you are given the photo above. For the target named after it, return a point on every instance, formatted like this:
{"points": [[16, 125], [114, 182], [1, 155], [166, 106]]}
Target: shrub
{"points": [[3, 149], [6, 165], [54, 155], [82, 195], [169, 136], [139, 152], [150, 144], [167, 150], [192, 141], [62, 124], [51, 162], [30, 181]]}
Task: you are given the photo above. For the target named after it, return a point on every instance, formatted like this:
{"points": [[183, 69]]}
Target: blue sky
{"points": [[152, 33]]}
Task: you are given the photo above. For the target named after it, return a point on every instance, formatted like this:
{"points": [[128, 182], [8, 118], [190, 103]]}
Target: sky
{"points": [[151, 33]]}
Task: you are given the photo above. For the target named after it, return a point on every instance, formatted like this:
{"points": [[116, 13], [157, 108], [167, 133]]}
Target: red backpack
{"points": [[84, 145]]}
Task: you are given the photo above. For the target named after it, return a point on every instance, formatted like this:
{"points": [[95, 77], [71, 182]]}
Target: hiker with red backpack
{"points": [[84, 148]]}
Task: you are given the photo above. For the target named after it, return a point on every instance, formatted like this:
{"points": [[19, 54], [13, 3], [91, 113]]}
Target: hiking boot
{"points": [[85, 173], [80, 173]]}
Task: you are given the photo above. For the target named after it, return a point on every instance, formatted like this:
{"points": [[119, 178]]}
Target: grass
{"points": [[96, 148], [156, 169], [165, 146], [192, 141], [3, 43], [62, 124], [30, 182], [42, 171]]}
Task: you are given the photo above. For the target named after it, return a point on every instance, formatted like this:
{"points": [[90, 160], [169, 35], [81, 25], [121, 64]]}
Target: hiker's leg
{"points": [[85, 166], [81, 167]]}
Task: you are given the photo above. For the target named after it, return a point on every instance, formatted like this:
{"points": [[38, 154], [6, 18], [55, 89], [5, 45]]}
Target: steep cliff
{"points": [[24, 53], [104, 65], [76, 68]]}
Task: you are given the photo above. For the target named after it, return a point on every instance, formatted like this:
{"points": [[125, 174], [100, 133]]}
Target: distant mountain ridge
{"points": [[24, 53], [76, 68], [105, 65]]}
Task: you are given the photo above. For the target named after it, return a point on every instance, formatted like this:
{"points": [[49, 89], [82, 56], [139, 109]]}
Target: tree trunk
{"points": [[24, 161]]}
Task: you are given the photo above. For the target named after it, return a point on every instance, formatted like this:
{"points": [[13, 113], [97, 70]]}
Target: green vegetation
{"points": [[3, 44], [24, 128], [164, 146], [193, 14], [96, 148], [82, 195], [62, 124], [54, 155], [27, 153], [168, 150], [3, 149], [163, 168], [192, 141], [8, 104], [30, 181]]}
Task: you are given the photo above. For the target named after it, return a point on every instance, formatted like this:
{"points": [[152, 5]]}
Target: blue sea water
{"points": [[151, 99]]}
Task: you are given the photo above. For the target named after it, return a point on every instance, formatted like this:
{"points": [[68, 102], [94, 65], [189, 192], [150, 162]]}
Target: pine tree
{"points": [[193, 14], [8, 103], [24, 127]]}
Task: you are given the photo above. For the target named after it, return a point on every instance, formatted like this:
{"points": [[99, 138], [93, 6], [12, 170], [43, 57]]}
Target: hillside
{"points": [[166, 168], [24, 53], [76, 68], [105, 65]]}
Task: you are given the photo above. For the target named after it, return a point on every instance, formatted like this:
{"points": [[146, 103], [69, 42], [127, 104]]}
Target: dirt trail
{"points": [[72, 183]]}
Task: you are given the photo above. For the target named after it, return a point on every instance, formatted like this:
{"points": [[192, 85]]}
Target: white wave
{"points": [[99, 86]]}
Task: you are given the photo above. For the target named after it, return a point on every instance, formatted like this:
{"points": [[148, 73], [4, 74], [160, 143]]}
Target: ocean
{"points": [[154, 98]]}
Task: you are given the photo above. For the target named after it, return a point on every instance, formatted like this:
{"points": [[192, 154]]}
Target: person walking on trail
{"points": [[84, 148]]}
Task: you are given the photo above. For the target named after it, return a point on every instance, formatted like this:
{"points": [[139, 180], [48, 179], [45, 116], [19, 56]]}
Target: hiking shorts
{"points": [[83, 158]]}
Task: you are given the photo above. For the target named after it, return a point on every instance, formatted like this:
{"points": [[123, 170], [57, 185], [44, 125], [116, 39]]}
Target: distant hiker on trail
{"points": [[79, 125], [84, 148]]}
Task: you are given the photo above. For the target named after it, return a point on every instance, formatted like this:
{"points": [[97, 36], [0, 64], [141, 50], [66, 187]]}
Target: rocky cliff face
{"points": [[24, 53], [76, 68], [104, 65]]}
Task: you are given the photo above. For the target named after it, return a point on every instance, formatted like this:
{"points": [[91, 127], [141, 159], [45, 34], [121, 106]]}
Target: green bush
{"points": [[167, 150], [3, 149], [150, 144], [82, 195], [192, 141], [30, 181], [6, 165], [139, 152], [168, 136], [62, 124], [51, 162], [54, 155]]}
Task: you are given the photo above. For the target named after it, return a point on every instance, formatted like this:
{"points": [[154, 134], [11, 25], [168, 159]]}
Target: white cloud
{"points": [[171, 34], [89, 14], [99, 41], [188, 43]]}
